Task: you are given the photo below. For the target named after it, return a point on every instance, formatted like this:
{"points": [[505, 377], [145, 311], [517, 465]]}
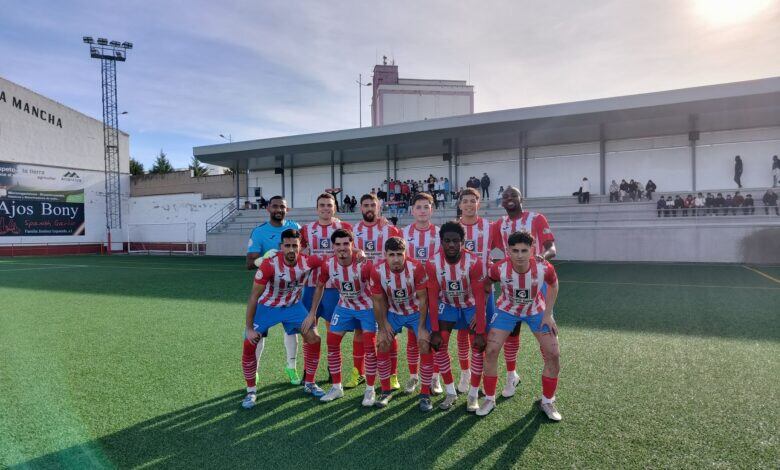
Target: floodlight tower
{"points": [[109, 54]]}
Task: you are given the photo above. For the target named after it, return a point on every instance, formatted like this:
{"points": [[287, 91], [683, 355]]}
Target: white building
{"points": [[397, 100]]}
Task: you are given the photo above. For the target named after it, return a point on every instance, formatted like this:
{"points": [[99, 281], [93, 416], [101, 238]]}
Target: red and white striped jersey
{"points": [[284, 284], [521, 293], [371, 238], [532, 222], [399, 288], [421, 244], [455, 281], [479, 240], [316, 238], [351, 281]]}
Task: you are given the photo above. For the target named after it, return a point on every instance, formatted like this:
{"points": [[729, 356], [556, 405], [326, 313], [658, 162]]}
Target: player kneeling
{"points": [[276, 298], [398, 289], [456, 291], [521, 277], [354, 311]]}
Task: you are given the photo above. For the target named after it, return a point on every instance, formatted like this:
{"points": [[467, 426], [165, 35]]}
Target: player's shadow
{"points": [[282, 432]]}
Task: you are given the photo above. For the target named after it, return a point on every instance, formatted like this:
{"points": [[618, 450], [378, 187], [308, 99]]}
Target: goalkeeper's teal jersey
{"points": [[267, 237]]}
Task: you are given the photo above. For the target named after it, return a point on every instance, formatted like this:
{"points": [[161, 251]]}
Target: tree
{"points": [[229, 171], [161, 164], [136, 167], [198, 169]]}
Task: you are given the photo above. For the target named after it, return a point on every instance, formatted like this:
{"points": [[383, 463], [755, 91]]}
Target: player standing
{"points": [[480, 242], [456, 291], [275, 298], [264, 241], [354, 311], [521, 277], [317, 241], [398, 289], [370, 236], [422, 241], [516, 219]]}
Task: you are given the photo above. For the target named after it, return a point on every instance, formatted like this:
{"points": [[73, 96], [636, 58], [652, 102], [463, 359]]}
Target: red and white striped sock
{"points": [[394, 356], [249, 364], [442, 358], [358, 354], [464, 347], [477, 361], [334, 357], [369, 346], [490, 386], [511, 347], [311, 355], [426, 373], [412, 352], [383, 365]]}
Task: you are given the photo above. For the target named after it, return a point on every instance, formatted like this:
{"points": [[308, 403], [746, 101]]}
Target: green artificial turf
{"points": [[135, 361]]}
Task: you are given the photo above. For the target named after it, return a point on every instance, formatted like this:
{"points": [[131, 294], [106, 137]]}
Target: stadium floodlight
{"points": [[109, 54]]}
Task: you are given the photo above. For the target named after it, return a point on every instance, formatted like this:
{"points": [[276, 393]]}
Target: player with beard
{"points": [[522, 277], [370, 236], [456, 291], [275, 299], [479, 241], [422, 241], [398, 290], [516, 219], [264, 242]]}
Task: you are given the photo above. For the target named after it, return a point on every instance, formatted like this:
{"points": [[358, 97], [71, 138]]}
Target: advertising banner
{"points": [[36, 201]]}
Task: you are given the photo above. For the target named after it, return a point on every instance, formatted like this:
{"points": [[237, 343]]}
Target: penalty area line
{"points": [[761, 273]]}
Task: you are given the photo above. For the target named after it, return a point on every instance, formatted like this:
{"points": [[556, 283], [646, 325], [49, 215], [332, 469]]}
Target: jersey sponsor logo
{"points": [[471, 245], [324, 244], [370, 245], [347, 286], [421, 252], [522, 296], [454, 287], [399, 294]]}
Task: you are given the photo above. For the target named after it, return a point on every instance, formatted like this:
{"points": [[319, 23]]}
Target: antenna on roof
{"points": [[384, 60]]}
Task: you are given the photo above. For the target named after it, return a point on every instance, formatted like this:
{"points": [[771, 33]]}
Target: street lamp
{"points": [[360, 83], [229, 138]]}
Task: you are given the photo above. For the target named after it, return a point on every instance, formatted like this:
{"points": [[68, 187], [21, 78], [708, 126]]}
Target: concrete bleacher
{"points": [[601, 230]]}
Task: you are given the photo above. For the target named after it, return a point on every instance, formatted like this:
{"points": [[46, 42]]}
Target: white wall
{"points": [[502, 166], [359, 178], [310, 182], [420, 168], [557, 170], [25, 138], [666, 160], [405, 107], [715, 157], [270, 183], [164, 218]]}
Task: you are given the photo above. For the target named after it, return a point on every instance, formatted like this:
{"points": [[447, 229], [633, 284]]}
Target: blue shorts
{"points": [[330, 298], [505, 321], [290, 317], [462, 317], [398, 321], [346, 319]]}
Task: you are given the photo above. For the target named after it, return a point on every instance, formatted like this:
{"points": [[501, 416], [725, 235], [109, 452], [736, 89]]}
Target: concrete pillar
{"points": [[693, 137], [602, 160], [292, 181]]}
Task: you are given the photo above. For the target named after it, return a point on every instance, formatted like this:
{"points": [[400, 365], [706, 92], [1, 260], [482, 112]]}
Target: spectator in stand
{"points": [[439, 199], [650, 188], [640, 189], [679, 204], [709, 204], [748, 207], [431, 184], [738, 171], [485, 184], [718, 203], [690, 204], [737, 202], [585, 196], [669, 207], [632, 189], [613, 192], [498, 196], [770, 200], [406, 190], [775, 171], [623, 190], [345, 203], [262, 203], [447, 190], [385, 187], [699, 204], [354, 203], [660, 206], [727, 205]]}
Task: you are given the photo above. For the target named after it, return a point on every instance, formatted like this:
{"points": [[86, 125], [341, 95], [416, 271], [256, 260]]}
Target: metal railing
{"points": [[216, 219]]}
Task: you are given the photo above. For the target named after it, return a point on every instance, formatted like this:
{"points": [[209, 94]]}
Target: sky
{"points": [[258, 69]]}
